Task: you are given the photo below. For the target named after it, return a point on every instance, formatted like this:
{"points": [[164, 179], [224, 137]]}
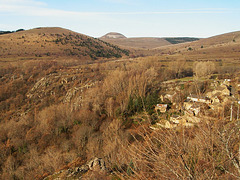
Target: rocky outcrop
{"points": [[61, 86], [70, 94], [96, 166], [44, 86]]}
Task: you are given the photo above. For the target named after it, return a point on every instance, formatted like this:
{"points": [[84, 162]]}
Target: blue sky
{"points": [[133, 18]]}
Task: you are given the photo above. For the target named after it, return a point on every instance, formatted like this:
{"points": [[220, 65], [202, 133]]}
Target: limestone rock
{"points": [[96, 165]]}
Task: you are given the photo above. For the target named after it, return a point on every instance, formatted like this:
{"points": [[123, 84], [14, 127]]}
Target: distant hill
{"points": [[143, 42], [57, 42], [8, 32], [113, 35], [220, 47], [227, 40], [178, 40]]}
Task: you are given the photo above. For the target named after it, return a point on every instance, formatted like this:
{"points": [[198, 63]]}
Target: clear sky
{"points": [[133, 18]]}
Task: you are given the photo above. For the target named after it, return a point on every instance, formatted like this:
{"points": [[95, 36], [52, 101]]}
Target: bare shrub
{"points": [[120, 85], [177, 67], [10, 167], [203, 152], [80, 138], [52, 160], [204, 68], [114, 139], [54, 118]]}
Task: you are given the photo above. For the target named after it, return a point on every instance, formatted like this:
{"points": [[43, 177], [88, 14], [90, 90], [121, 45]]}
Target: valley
{"points": [[75, 107]]}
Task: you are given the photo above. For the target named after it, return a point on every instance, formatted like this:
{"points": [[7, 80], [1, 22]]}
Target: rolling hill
{"points": [[143, 42], [225, 46], [41, 42]]}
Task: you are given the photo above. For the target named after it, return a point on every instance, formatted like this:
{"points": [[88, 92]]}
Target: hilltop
{"points": [[55, 42], [113, 35]]}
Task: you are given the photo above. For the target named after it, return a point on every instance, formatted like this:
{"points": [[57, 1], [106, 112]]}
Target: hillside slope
{"points": [[56, 42], [144, 43], [225, 46]]}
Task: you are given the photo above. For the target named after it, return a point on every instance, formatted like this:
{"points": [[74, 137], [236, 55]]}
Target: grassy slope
{"points": [[221, 47], [55, 42]]}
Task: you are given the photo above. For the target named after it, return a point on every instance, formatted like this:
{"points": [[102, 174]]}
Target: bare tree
{"points": [[203, 68]]}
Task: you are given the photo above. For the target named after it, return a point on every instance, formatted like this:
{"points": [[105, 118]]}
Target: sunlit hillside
{"points": [[56, 42]]}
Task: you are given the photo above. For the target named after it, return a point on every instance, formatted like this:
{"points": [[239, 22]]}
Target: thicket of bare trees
{"points": [[207, 151], [50, 135]]}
